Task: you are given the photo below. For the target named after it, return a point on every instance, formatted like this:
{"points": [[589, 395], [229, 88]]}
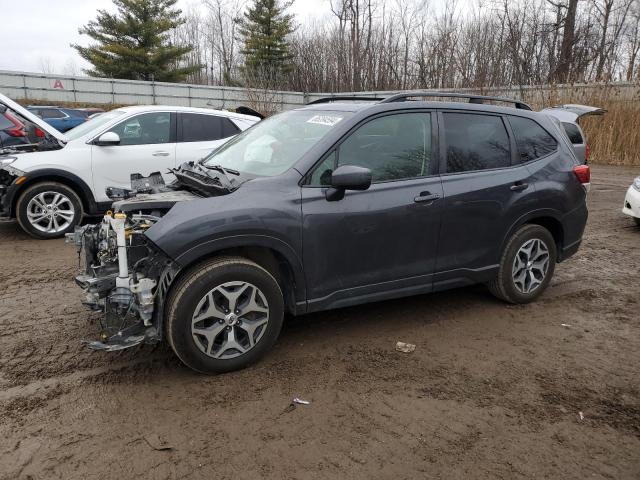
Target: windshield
{"points": [[92, 124], [272, 146]]}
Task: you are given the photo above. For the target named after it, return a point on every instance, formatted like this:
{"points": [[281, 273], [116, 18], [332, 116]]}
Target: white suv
{"points": [[48, 187]]}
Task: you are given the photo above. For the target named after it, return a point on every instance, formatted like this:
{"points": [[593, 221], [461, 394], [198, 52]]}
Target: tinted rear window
{"points": [[201, 128], [533, 141], [573, 132], [475, 142], [229, 128]]}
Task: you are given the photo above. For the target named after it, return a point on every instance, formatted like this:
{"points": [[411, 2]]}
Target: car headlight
{"points": [[6, 161], [636, 184]]}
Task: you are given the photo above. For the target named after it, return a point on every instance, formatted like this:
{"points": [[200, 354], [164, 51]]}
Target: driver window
{"points": [[393, 147], [145, 129]]}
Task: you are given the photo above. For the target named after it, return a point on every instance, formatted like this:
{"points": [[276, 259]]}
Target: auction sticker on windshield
{"points": [[329, 120]]}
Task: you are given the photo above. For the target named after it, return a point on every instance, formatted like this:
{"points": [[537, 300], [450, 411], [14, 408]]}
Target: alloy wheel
{"points": [[530, 265], [50, 212], [230, 320]]}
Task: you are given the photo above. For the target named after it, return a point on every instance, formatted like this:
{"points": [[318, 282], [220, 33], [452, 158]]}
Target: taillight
{"points": [[587, 152], [583, 172], [18, 128], [39, 133]]}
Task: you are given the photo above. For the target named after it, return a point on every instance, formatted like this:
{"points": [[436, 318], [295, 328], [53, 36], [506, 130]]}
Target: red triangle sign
{"points": [[58, 84]]}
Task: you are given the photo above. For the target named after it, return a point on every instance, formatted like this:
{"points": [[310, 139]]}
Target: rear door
{"points": [[380, 242], [147, 145], [199, 134], [486, 186]]}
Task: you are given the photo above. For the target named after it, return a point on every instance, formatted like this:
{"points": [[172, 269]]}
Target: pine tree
{"points": [[134, 43], [264, 29]]}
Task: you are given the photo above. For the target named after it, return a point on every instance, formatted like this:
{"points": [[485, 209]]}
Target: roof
{"points": [[173, 108], [407, 105]]}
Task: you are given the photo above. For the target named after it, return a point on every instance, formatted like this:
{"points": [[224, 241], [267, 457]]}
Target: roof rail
{"points": [[339, 98], [399, 97]]}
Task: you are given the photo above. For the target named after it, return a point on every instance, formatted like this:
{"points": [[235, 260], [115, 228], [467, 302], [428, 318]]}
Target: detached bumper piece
{"points": [[124, 340]]}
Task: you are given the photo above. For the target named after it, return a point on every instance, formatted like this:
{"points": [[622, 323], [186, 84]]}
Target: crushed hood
{"points": [[161, 201], [44, 126]]}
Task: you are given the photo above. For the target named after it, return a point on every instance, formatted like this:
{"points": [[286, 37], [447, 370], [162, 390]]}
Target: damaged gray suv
{"points": [[341, 202]]}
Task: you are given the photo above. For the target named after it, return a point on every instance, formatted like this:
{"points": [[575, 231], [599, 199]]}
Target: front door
{"points": [[147, 145], [381, 242]]}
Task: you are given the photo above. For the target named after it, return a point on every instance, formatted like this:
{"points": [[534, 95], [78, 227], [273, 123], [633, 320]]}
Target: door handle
{"points": [[160, 154], [426, 197], [519, 186]]}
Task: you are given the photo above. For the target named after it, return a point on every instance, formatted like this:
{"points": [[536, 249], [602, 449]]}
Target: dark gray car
{"points": [[330, 205]]}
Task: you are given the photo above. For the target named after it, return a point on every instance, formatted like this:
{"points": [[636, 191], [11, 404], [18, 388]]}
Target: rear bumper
{"points": [[573, 224], [631, 205]]}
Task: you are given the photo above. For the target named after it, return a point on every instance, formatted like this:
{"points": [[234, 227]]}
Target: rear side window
{"points": [[573, 132], [533, 141], [229, 129], [201, 128], [475, 142]]}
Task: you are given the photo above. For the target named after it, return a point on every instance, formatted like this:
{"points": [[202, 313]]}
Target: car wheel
{"points": [[224, 315], [527, 265], [637, 220], [48, 210]]}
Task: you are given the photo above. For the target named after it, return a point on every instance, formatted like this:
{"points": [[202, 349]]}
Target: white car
{"points": [[48, 187], [631, 205]]}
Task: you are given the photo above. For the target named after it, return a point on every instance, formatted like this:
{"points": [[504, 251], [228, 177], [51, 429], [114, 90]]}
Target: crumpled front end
{"points": [[125, 278]]}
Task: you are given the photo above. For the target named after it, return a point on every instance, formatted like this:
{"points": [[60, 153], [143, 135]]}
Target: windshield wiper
{"points": [[221, 169]]}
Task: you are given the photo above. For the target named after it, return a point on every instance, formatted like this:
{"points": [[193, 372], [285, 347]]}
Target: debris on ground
{"points": [[581, 415], [299, 401], [566, 325], [405, 347], [155, 442]]}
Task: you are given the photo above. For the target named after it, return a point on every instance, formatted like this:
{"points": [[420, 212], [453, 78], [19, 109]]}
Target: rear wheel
{"points": [[526, 266], [224, 315], [637, 220], [48, 210]]}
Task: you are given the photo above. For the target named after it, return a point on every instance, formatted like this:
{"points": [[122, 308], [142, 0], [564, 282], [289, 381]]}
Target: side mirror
{"points": [[108, 138], [348, 177]]}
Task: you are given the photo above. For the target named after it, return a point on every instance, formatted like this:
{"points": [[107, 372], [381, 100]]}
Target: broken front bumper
{"points": [[131, 299]]}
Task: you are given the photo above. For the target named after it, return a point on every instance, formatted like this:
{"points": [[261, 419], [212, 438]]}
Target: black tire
{"points": [[194, 286], [503, 286], [637, 220], [47, 188]]}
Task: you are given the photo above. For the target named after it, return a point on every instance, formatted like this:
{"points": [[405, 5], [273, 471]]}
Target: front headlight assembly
{"points": [[636, 184], [11, 170], [6, 161]]}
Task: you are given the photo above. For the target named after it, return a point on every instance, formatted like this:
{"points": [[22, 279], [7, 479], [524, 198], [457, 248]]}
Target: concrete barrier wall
{"points": [[61, 88]]}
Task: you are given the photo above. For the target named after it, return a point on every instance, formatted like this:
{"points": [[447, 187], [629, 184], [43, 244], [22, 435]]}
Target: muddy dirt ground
{"points": [[492, 391]]}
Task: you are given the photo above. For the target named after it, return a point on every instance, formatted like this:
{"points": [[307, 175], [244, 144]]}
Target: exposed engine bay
{"points": [[125, 276], [122, 272]]}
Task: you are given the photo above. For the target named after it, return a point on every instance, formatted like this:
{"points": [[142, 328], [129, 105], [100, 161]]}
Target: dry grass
{"points": [[614, 137]]}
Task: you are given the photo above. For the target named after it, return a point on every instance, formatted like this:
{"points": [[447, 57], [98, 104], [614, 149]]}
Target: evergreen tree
{"points": [[264, 29], [134, 43]]}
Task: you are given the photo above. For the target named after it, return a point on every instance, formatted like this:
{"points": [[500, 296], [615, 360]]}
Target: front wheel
{"points": [[224, 315], [526, 266], [48, 210], [637, 220]]}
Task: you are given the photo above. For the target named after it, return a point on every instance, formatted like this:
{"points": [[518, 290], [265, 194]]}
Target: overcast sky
{"points": [[42, 30], [37, 37]]}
